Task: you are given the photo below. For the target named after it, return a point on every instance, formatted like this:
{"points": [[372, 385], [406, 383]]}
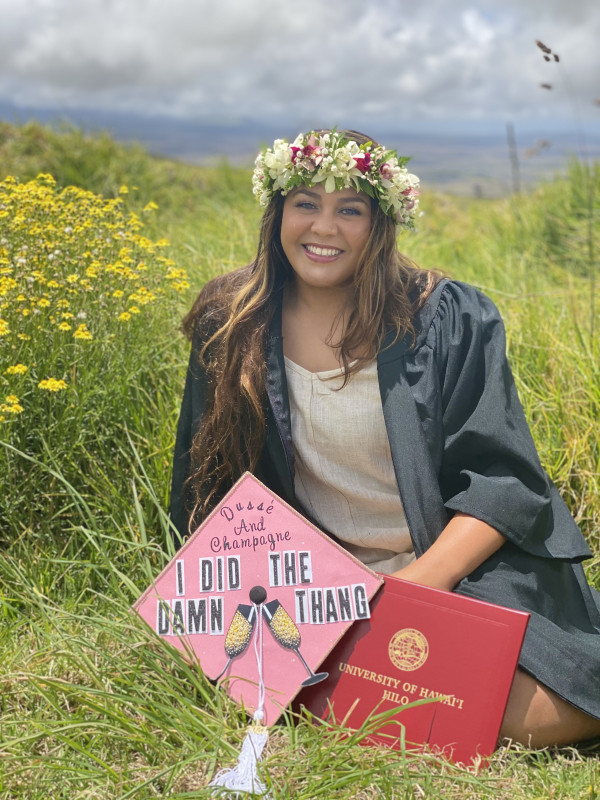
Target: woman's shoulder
{"points": [[451, 307]]}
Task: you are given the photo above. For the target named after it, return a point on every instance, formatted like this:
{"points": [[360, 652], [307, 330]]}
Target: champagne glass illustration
{"points": [[239, 633], [287, 634], [241, 626]]}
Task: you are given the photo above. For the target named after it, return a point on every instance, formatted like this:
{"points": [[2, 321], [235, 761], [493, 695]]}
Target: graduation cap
{"points": [[260, 597]]}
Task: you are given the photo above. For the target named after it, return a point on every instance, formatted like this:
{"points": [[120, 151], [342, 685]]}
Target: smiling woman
{"points": [[376, 398]]}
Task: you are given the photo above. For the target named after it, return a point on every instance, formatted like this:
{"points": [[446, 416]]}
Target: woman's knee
{"points": [[537, 717]]}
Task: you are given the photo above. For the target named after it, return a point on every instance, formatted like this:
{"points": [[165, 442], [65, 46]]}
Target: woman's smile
{"points": [[319, 252]]}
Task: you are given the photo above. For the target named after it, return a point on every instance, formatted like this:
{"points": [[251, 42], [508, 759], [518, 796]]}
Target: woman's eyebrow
{"points": [[303, 190], [353, 199], [346, 199]]}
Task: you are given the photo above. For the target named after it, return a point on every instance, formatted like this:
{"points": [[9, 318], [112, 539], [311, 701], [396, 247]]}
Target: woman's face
{"points": [[324, 234]]}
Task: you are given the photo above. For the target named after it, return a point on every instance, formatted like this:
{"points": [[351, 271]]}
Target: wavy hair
{"points": [[229, 325]]}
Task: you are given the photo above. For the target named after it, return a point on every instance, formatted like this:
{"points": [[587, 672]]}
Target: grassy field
{"points": [[92, 704]]}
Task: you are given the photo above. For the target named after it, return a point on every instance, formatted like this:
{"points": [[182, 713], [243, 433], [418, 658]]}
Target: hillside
{"points": [[100, 256]]}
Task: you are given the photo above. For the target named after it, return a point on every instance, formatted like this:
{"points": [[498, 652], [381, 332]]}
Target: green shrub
{"points": [[86, 310]]}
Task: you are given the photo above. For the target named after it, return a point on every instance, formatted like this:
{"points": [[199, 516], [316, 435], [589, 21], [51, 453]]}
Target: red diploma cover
{"points": [[429, 645]]}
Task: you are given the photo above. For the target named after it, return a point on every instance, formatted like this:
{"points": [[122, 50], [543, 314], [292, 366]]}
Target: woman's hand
{"points": [[464, 544]]}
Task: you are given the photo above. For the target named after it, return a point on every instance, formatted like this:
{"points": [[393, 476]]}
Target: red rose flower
{"points": [[363, 162]]}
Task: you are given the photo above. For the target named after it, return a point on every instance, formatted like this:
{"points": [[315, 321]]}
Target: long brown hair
{"points": [[229, 325]]}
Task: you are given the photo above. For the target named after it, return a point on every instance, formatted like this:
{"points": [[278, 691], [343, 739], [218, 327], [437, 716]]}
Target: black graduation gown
{"points": [[459, 442]]}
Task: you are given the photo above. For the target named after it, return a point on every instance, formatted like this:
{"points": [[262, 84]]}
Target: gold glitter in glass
{"points": [[238, 635], [284, 629]]}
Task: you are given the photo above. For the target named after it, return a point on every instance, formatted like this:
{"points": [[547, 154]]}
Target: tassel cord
{"points": [[242, 780]]}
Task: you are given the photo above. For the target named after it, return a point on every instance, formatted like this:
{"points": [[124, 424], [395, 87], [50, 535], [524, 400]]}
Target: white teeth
{"points": [[322, 251]]}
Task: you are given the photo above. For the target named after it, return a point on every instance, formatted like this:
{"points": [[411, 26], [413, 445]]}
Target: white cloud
{"points": [[323, 61]]}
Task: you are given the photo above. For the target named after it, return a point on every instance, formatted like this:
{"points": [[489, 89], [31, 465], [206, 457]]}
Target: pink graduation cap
{"points": [[260, 597]]}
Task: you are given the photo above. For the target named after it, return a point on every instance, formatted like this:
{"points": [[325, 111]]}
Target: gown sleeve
{"points": [[490, 467]]}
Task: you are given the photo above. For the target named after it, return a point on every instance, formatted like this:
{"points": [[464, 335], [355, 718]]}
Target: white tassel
{"points": [[244, 776]]}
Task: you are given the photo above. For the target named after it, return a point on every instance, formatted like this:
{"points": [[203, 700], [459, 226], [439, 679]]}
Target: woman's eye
{"points": [[351, 212], [305, 204]]}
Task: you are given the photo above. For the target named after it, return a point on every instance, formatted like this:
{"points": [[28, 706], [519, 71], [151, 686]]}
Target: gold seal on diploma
{"points": [[408, 649]]}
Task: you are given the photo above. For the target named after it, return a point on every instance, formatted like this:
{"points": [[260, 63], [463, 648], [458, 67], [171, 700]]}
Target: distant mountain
{"points": [[165, 135], [468, 158]]}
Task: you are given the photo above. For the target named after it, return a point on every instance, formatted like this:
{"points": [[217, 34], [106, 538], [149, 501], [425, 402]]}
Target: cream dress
{"points": [[344, 474]]}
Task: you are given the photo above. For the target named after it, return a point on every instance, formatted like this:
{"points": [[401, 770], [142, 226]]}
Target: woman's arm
{"points": [[464, 544]]}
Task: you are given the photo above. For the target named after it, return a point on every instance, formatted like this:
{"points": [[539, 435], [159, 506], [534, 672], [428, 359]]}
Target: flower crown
{"points": [[338, 163]]}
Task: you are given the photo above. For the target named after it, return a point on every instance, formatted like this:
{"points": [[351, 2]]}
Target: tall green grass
{"points": [[92, 704], [529, 254]]}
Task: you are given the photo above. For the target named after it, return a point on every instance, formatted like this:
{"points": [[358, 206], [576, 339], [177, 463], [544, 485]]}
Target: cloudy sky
{"points": [[302, 64], [273, 59]]}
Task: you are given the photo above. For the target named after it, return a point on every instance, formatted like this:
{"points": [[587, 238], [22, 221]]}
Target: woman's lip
{"points": [[321, 252]]}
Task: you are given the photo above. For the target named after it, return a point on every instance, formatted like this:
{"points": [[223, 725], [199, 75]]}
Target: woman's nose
{"points": [[324, 223]]}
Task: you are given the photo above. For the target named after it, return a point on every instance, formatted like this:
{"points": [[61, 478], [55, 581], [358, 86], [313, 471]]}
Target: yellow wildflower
{"points": [[16, 369], [82, 332], [6, 284], [12, 399], [13, 408], [45, 178], [142, 296], [124, 190], [64, 250], [52, 385], [175, 274]]}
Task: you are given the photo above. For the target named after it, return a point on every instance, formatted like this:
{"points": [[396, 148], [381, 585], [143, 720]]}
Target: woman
{"points": [[376, 398]]}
